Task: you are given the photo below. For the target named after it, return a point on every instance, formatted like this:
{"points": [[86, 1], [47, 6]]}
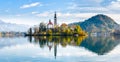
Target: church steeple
{"points": [[55, 19]]}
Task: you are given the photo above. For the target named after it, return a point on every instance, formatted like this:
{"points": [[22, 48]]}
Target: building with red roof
{"points": [[50, 24]]}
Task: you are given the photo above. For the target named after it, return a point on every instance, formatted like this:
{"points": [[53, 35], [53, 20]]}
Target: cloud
{"points": [[65, 15], [72, 5], [89, 9], [34, 12], [88, 3], [95, 6], [75, 17], [114, 5], [44, 14], [61, 16], [83, 6], [18, 15], [31, 5]]}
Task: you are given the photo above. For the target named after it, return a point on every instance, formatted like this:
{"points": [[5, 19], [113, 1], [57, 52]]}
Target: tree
{"points": [[64, 28], [78, 30], [36, 30], [42, 27], [49, 32], [30, 31]]}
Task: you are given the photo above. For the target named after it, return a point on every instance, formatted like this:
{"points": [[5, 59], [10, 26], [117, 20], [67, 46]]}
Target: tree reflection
{"points": [[62, 40], [97, 44], [54, 41]]}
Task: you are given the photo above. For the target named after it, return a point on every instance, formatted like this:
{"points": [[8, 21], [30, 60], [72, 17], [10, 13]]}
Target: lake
{"points": [[60, 49]]}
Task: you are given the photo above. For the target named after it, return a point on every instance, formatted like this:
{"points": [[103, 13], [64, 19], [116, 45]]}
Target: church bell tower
{"points": [[55, 19]]}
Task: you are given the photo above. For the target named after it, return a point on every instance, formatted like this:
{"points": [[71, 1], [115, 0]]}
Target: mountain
{"points": [[12, 27], [98, 23]]}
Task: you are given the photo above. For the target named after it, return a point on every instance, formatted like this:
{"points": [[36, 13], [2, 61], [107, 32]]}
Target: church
{"points": [[50, 24]]}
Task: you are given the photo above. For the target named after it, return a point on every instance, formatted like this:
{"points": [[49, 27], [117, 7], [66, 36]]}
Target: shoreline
{"points": [[54, 35]]}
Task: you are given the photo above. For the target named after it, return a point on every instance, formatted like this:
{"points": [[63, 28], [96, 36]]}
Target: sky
{"points": [[32, 12]]}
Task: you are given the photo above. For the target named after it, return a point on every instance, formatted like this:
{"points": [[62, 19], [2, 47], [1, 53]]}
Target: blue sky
{"points": [[32, 12]]}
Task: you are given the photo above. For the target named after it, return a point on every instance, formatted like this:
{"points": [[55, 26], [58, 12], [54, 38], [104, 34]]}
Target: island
{"points": [[53, 29]]}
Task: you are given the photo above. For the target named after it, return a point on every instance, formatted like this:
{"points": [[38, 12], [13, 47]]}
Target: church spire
{"points": [[55, 19]]}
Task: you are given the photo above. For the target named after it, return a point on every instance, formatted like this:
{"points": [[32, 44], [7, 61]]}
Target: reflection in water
{"points": [[98, 44], [93, 48], [11, 41], [54, 41]]}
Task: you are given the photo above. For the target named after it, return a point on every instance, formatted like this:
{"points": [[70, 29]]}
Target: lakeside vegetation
{"points": [[62, 30], [11, 34]]}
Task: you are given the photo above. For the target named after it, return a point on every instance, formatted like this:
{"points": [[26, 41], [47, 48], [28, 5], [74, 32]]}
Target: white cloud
{"points": [[90, 9], [34, 12], [72, 5], [44, 14], [18, 15], [65, 15], [62, 17], [75, 17], [97, 1], [114, 5], [31, 5], [88, 3], [20, 20], [94, 6]]}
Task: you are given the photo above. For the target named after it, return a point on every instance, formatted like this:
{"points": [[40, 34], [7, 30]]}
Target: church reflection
{"points": [[98, 44], [54, 41]]}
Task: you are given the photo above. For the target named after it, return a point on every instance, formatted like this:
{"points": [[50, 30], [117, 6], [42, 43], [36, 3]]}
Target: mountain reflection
{"points": [[101, 44], [97, 44]]}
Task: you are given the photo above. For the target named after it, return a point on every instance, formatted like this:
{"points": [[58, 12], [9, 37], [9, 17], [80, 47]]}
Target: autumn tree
{"points": [[79, 30], [49, 32]]}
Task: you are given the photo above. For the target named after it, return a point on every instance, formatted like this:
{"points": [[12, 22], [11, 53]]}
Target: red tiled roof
{"points": [[50, 23]]}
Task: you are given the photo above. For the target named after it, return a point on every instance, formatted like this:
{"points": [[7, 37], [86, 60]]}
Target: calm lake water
{"points": [[60, 49]]}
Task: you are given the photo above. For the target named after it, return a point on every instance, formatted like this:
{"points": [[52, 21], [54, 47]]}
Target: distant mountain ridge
{"points": [[98, 23], [6, 27]]}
